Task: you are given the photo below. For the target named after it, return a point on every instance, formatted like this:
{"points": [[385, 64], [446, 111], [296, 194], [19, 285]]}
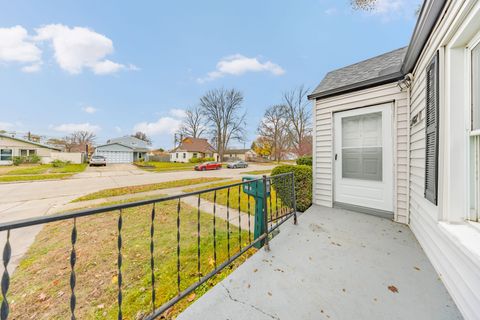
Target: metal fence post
{"points": [[294, 200], [265, 212]]}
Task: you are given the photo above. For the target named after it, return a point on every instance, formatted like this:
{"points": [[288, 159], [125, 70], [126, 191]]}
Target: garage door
{"points": [[116, 156]]}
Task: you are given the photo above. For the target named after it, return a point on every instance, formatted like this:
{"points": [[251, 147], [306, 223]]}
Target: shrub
{"points": [[305, 160], [18, 160], [59, 163], [200, 160], [33, 158], [303, 185]]}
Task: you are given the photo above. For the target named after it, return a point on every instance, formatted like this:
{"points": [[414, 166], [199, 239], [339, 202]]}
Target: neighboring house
{"points": [[124, 150], [192, 148], [239, 154], [398, 135], [16, 147]]}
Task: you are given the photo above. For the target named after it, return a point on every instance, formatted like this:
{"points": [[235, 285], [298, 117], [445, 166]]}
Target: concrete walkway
{"points": [[335, 264]]}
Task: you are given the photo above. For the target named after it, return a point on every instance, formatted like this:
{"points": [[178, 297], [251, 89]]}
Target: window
{"points": [[6, 154], [195, 155], [431, 131], [362, 147], [23, 153], [184, 155], [32, 152], [475, 136], [176, 155]]}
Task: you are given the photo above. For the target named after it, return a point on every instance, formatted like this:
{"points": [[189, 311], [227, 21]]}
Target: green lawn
{"points": [[258, 172], [222, 196], [165, 166], [144, 188], [39, 288], [41, 172]]}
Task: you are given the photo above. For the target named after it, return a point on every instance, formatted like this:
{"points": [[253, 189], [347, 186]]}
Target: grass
{"points": [[41, 172], [164, 166], [258, 172], [35, 177], [39, 288], [144, 188], [222, 197]]}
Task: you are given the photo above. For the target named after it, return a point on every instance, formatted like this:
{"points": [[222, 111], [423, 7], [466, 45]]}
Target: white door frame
{"points": [[375, 195]]}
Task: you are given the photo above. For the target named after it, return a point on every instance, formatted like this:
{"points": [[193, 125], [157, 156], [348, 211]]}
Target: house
{"points": [[239, 154], [11, 146], [398, 135], [192, 148], [125, 149]]}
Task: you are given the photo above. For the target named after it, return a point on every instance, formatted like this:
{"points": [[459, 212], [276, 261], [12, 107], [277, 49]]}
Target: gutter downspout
{"points": [[408, 79]]}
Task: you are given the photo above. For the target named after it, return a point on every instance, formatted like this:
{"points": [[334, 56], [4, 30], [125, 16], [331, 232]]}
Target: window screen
{"points": [[362, 147]]}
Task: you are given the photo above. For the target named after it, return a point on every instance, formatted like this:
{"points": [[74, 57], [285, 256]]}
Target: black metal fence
{"points": [[249, 210]]}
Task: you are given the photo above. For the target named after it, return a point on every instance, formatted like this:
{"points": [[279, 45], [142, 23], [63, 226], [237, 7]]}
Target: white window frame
{"points": [[473, 214]]}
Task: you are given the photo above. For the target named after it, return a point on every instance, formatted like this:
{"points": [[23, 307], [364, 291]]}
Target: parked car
{"points": [[237, 164], [208, 166], [98, 161]]}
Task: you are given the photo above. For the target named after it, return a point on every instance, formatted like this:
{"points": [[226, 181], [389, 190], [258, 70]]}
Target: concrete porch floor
{"points": [[335, 264]]}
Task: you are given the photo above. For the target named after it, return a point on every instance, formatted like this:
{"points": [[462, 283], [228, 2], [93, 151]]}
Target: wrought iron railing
{"points": [[274, 204]]}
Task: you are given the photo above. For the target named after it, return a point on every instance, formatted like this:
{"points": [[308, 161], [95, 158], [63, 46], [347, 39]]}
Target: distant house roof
{"points": [[30, 142], [195, 145], [383, 68], [131, 142], [237, 151]]}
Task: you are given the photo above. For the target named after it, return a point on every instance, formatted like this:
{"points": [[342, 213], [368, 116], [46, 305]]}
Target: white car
{"points": [[98, 161]]}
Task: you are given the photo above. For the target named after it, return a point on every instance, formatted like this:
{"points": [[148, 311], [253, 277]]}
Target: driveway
{"points": [[39, 198]]}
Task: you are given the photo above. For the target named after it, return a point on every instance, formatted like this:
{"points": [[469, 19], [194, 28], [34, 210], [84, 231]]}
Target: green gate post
{"points": [[256, 190]]}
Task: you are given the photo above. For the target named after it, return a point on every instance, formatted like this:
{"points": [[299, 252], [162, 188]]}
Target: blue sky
{"points": [[117, 66]]}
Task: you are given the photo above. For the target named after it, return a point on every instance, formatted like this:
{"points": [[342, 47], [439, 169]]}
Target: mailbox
{"points": [[255, 188]]}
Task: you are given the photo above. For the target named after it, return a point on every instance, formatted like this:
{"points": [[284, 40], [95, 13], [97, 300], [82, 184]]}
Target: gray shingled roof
{"points": [[380, 67]]}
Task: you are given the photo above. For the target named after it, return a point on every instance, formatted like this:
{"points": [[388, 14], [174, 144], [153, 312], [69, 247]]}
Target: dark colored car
{"points": [[237, 164], [208, 166]]}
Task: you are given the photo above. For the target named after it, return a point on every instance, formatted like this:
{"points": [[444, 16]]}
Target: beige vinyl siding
{"points": [[323, 141]]}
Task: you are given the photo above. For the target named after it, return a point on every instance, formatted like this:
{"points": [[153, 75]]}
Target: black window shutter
{"points": [[431, 131]]}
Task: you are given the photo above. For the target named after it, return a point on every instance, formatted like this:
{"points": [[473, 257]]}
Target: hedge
{"points": [[200, 160], [305, 160], [303, 185]]}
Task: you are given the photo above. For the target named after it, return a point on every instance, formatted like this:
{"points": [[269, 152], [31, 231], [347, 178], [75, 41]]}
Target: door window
{"points": [[362, 147]]}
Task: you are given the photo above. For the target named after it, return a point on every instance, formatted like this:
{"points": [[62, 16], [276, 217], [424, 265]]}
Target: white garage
{"points": [[115, 153]]}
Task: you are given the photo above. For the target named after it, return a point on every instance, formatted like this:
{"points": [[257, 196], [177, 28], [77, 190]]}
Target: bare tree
{"points": [[223, 112], [367, 5], [193, 124], [84, 137], [298, 114], [274, 127], [142, 136]]}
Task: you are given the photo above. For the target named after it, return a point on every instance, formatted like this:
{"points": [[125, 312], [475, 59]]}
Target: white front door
{"points": [[363, 157]]}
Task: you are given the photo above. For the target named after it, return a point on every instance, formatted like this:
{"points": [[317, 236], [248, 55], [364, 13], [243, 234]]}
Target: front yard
{"points": [[164, 166], [39, 172], [40, 288]]}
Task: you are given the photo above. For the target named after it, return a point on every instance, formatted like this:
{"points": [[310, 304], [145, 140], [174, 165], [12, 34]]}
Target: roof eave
{"points": [[358, 86], [429, 14]]}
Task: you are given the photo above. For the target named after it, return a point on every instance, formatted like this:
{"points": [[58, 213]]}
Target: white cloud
{"points": [[17, 46], [78, 48], [178, 113], [238, 64], [72, 127], [164, 125], [89, 109], [389, 10], [118, 129], [331, 11], [6, 125]]}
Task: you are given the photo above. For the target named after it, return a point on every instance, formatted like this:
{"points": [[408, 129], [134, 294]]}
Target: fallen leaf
{"points": [[255, 270], [393, 289], [191, 297], [269, 293], [42, 297], [114, 279], [416, 268], [101, 306]]}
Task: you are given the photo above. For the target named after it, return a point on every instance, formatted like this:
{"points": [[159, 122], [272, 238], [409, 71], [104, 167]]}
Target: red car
{"points": [[208, 166]]}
